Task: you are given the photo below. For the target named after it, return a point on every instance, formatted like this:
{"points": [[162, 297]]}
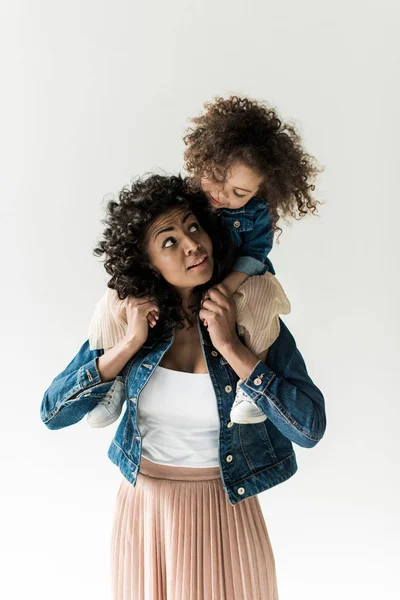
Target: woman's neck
{"points": [[188, 300], [189, 309]]}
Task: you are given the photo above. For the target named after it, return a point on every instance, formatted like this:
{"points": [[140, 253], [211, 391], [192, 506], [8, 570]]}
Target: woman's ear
{"points": [[155, 272], [153, 269]]}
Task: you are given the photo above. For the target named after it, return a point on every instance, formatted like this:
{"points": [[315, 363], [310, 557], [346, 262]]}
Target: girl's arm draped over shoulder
{"points": [[257, 243], [282, 388], [86, 380]]}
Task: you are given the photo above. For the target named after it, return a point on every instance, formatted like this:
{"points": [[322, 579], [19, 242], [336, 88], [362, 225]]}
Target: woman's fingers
{"points": [[218, 295], [145, 306], [219, 291], [205, 315], [217, 302], [153, 317], [213, 307]]}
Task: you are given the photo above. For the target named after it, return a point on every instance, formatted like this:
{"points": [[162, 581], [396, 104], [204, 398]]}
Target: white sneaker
{"points": [[108, 410], [244, 410]]}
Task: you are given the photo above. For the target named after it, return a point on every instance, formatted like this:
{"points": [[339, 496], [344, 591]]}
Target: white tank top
{"points": [[178, 419]]}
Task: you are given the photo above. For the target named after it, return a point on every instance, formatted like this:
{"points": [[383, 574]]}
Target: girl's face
{"points": [[241, 184], [175, 240]]}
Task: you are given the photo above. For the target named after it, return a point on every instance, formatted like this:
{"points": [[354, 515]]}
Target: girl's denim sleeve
{"points": [[256, 244], [284, 391], [75, 391]]}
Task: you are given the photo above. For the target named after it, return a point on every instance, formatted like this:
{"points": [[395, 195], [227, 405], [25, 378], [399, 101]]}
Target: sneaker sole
{"points": [[250, 420], [97, 425]]}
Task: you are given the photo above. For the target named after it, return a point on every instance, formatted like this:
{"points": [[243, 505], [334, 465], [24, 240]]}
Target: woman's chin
{"points": [[204, 279]]}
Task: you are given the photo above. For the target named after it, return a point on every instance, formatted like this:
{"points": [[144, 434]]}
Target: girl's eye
{"points": [[240, 195], [196, 225]]}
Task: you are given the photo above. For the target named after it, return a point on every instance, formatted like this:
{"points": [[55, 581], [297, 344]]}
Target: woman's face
{"points": [[241, 184], [175, 240]]}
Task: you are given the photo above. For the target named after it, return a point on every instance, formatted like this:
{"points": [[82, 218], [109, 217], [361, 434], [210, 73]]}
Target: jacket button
{"points": [[241, 491], [87, 394], [257, 381], [236, 224], [228, 388], [132, 399], [229, 458], [230, 424], [137, 437], [214, 353]]}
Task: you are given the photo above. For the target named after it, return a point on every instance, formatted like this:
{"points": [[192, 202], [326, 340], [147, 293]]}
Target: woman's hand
{"points": [[140, 313], [218, 313]]}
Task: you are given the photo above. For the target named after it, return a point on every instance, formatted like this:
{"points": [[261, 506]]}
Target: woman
{"points": [[188, 523]]}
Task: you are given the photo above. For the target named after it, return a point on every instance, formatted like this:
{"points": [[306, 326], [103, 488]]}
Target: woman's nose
{"points": [[190, 245]]}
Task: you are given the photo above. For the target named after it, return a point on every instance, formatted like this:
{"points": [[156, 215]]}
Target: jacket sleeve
{"points": [[257, 244], [75, 391], [284, 391]]}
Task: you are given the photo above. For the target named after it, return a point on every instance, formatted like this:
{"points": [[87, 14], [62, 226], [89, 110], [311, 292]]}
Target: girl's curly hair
{"points": [[124, 244], [241, 129]]}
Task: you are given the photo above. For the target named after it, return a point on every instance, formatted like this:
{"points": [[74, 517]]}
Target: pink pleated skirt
{"points": [[175, 536]]}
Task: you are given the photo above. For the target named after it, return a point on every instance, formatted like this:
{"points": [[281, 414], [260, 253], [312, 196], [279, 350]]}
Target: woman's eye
{"points": [[240, 195], [171, 239]]}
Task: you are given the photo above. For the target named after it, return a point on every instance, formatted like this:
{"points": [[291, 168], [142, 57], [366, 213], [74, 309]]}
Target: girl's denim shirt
{"points": [[252, 458], [252, 234]]}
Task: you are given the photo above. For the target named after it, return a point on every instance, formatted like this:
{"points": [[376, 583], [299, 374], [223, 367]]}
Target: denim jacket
{"points": [[252, 234], [252, 458]]}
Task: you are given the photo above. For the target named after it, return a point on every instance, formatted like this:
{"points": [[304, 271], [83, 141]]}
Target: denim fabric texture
{"points": [[252, 458], [251, 231]]}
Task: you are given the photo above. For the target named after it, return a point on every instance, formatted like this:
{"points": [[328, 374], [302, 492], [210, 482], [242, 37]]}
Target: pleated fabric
{"points": [[259, 302], [175, 536]]}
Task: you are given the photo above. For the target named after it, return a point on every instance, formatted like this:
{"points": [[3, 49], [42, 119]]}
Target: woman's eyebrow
{"points": [[184, 219]]}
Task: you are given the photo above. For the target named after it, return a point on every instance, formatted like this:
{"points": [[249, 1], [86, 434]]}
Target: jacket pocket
{"points": [[239, 223], [256, 446]]}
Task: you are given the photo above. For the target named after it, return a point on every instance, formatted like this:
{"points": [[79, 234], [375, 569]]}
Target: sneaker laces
{"points": [[105, 401], [240, 396]]}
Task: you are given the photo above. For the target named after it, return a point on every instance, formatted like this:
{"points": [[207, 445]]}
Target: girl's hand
{"points": [[218, 313], [140, 313]]}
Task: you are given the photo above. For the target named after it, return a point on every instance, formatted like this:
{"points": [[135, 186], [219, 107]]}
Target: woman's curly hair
{"points": [[242, 129], [124, 244]]}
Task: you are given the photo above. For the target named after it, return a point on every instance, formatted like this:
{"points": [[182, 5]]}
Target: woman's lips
{"points": [[202, 264]]}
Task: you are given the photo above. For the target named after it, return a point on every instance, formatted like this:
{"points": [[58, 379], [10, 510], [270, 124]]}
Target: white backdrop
{"points": [[96, 92]]}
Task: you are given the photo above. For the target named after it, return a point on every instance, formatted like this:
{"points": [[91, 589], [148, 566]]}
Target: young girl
{"points": [[254, 170]]}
